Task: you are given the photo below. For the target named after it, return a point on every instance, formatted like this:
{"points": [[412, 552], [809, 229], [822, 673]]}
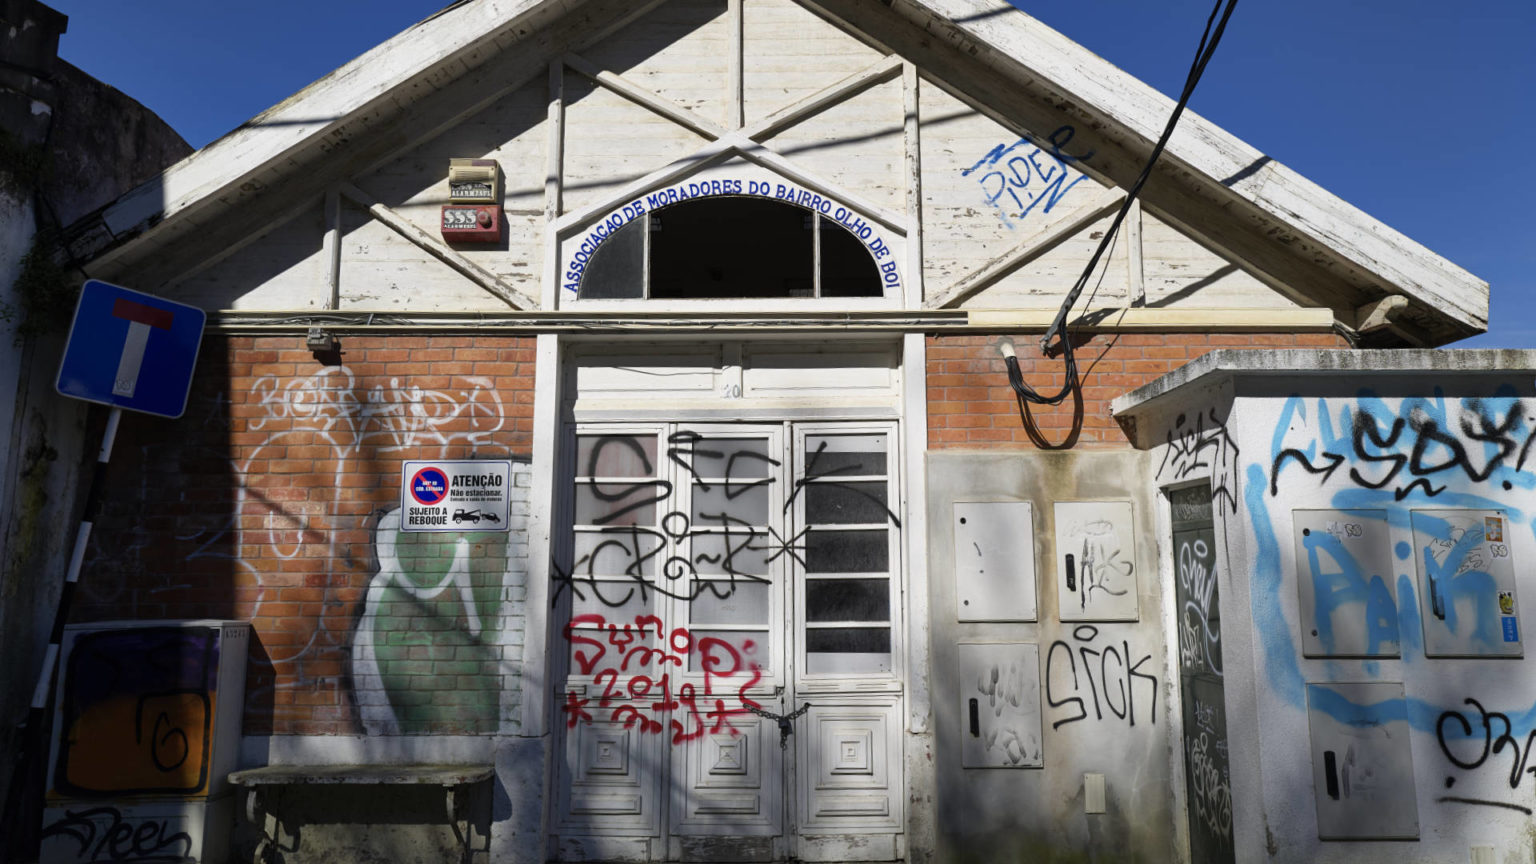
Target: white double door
{"points": [[722, 577]]}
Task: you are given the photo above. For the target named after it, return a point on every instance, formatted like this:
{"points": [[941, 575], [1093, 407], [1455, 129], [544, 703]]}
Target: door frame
{"points": [[904, 704]]}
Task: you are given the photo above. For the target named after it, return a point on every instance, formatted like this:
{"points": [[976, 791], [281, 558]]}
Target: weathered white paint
{"points": [[437, 248], [857, 141], [510, 130], [790, 53], [283, 267], [609, 141], [381, 270], [651, 49], [680, 52], [1179, 272], [1036, 243], [991, 196]]}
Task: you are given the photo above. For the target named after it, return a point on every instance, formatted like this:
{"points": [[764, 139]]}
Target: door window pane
{"points": [[617, 601], [619, 455], [845, 263], [729, 653], [847, 600], [624, 552], [829, 503], [736, 504], [728, 602], [846, 552], [618, 503], [617, 268], [721, 458], [845, 455], [847, 650], [734, 550]]}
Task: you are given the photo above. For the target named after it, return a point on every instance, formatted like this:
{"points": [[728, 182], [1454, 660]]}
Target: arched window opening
{"points": [[730, 247]]}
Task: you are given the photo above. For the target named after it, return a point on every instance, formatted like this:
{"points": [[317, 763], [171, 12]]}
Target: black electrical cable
{"points": [[1203, 53]]}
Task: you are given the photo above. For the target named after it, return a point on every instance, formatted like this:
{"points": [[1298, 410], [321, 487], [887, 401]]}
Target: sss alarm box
{"points": [[472, 223]]}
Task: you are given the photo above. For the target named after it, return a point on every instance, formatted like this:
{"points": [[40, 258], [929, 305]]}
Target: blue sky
{"points": [[1415, 111]]}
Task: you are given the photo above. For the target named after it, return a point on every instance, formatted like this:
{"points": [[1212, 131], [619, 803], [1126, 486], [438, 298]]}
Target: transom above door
{"points": [[730, 614]]}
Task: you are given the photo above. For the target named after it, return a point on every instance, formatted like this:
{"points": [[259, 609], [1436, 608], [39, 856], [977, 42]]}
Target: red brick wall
{"points": [[263, 503], [970, 404]]}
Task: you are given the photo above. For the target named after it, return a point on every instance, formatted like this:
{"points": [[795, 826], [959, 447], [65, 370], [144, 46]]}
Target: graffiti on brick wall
{"points": [[328, 428], [425, 650], [1017, 178], [635, 667], [397, 416]]}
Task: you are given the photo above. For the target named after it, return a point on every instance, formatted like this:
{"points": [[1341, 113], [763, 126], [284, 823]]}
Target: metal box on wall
{"points": [[146, 730], [1362, 763], [995, 560], [1096, 561], [1000, 705]]}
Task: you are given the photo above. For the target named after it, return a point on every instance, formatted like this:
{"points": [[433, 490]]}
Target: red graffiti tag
{"points": [[630, 663]]}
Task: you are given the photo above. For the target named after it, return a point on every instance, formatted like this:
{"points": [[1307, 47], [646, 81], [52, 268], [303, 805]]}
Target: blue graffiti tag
{"points": [[1342, 587], [1025, 179], [1398, 459]]}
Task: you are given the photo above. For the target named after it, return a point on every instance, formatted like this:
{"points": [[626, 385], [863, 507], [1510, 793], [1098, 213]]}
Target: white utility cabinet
{"points": [[146, 730]]}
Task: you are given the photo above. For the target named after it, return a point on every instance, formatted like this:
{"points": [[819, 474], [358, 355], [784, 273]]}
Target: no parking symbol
{"points": [[429, 486]]}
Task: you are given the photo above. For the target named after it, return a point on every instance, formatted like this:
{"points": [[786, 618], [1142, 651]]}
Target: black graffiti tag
{"points": [[1408, 453], [1487, 744], [1194, 448], [1123, 678], [120, 839]]}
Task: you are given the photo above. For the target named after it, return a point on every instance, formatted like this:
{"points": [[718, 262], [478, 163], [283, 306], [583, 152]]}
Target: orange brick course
{"points": [[971, 406]]}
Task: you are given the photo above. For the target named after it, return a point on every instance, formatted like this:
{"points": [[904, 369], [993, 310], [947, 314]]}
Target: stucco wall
{"points": [[1103, 691]]}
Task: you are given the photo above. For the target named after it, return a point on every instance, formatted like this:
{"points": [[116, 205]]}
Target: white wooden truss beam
{"points": [[645, 98], [1040, 240]]}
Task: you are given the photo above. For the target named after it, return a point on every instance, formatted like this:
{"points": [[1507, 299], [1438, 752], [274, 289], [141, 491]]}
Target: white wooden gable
{"points": [[990, 150]]}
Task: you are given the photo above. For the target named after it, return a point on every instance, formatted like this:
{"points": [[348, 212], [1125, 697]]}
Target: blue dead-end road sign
{"points": [[131, 350]]}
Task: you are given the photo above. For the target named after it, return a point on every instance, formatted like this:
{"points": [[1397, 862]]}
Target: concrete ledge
{"points": [[1226, 362]]}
